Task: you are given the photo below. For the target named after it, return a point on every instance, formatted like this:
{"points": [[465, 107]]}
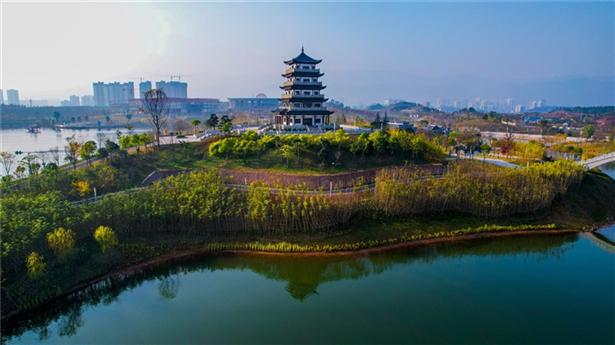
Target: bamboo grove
{"points": [[474, 188], [200, 202]]}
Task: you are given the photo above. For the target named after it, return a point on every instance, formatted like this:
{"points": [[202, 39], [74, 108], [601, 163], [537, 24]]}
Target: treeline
{"points": [[328, 148]]}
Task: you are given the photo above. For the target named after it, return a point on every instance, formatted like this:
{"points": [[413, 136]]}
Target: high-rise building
{"points": [[1, 96], [87, 100], [107, 94], [302, 100], [173, 89], [12, 97], [144, 86], [73, 100]]}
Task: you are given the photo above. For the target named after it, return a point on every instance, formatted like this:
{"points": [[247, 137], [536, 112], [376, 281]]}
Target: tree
{"points": [[212, 121], [377, 123], [111, 146], [7, 160], [56, 116], [105, 237], [155, 104], [485, 149], [287, 152], [128, 117], [507, 144], [544, 126], [87, 150], [30, 162], [195, 124], [588, 131], [20, 171], [82, 187], [72, 151], [61, 241], [102, 153], [225, 124], [35, 263]]}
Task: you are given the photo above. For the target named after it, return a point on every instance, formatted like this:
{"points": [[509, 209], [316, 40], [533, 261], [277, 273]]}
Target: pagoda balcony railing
{"points": [[297, 82], [299, 69], [286, 95], [293, 108]]}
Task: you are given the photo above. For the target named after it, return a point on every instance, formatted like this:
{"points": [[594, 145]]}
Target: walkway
{"points": [[599, 160]]}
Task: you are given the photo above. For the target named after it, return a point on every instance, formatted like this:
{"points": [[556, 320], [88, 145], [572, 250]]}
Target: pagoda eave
{"points": [[302, 87], [304, 112], [306, 61], [304, 99], [302, 74]]}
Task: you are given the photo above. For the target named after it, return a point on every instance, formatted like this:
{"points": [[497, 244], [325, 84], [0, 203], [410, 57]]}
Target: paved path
{"points": [[599, 160]]}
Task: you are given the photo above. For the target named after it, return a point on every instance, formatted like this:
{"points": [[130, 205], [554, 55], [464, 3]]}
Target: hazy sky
{"points": [[563, 52]]}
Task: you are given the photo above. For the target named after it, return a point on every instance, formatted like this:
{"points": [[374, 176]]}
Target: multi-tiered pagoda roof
{"points": [[302, 100]]}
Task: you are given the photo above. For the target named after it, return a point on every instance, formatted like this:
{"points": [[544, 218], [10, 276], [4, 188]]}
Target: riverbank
{"points": [[177, 255], [584, 207]]}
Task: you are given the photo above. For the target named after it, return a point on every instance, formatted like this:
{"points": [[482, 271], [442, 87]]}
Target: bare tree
{"points": [[8, 160], [155, 104], [55, 155]]}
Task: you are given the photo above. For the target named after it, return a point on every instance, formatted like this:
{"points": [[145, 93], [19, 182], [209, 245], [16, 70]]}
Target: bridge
{"points": [[599, 160]]}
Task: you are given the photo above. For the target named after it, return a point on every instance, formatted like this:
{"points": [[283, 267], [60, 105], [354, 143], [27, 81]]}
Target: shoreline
{"points": [[179, 256]]}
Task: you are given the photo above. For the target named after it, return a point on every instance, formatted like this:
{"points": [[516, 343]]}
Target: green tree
{"points": [[56, 116], [485, 149], [226, 124], [35, 263], [588, 131], [61, 241], [105, 237], [287, 152], [195, 124], [87, 150], [212, 122]]}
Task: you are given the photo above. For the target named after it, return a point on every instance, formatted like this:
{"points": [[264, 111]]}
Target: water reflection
{"points": [[303, 275]]}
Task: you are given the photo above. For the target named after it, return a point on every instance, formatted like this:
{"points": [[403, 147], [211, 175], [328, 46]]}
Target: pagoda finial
{"points": [[302, 48]]}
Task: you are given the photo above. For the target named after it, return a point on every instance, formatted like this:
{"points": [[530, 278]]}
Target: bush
{"points": [[105, 237], [61, 241], [329, 147], [35, 264]]}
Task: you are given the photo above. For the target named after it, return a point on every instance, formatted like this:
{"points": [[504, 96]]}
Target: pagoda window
{"points": [[306, 92], [317, 105], [316, 92], [315, 80], [317, 120], [297, 120], [297, 105]]}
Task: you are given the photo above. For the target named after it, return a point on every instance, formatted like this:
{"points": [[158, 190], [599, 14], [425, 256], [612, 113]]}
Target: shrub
{"points": [[105, 236], [35, 264], [61, 241]]}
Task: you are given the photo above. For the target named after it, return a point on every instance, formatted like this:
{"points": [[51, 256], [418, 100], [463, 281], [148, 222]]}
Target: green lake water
{"points": [[538, 289]]}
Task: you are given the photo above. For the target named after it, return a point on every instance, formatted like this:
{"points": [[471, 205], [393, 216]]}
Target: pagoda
{"points": [[302, 103]]}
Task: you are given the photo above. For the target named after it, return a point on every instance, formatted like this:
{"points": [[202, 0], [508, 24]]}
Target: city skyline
{"points": [[372, 52]]}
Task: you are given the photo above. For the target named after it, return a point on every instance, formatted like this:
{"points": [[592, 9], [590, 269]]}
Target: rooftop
{"points": [[302, 58]]}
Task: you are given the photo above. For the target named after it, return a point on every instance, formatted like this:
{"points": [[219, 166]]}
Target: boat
{"points": [[34, 129]]}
